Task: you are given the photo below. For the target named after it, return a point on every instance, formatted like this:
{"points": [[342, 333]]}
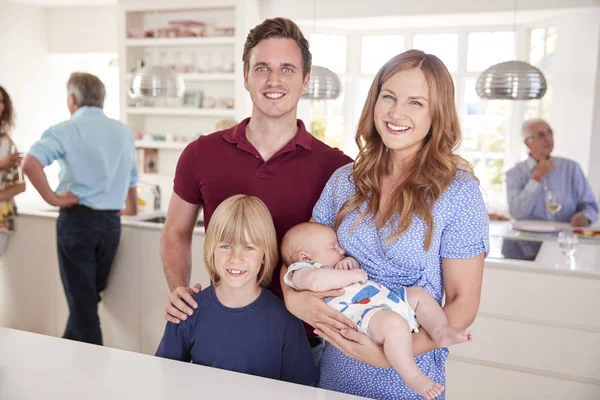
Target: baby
{"points": [[316, 262]]}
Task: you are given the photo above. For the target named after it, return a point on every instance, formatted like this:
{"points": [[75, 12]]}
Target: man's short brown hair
{"points": [[277, 28]]}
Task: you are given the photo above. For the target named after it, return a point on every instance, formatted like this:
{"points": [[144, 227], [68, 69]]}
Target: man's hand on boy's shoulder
{"points": [[178, 306], [347, 263]]}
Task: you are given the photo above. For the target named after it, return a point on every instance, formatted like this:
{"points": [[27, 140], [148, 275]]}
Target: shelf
{"points": [[193, 41], [202, 77], [153, 177], [158, 144], [182, 111]]}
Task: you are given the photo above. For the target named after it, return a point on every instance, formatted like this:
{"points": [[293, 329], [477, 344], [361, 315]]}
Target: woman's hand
{"points": [[354, 344], [10, 161], [310, 308], [463, 165]]}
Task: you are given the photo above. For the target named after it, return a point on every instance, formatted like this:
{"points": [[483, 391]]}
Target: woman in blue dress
{"points": [[408, 216]]}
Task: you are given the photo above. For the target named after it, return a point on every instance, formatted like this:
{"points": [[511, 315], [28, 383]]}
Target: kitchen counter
{"points": [[42, 367], [537, 333], [132, 309], [549, 259], [138, 221]]}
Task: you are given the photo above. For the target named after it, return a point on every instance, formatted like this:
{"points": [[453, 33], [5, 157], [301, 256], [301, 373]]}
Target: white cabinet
{"points": [[537, 335]]}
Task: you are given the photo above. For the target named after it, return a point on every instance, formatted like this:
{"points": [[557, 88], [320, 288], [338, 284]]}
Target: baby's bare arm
{"points": [[323, 279]]}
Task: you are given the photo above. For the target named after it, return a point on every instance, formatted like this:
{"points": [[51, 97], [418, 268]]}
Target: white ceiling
{"points": [[439, 20], [66, 3]]}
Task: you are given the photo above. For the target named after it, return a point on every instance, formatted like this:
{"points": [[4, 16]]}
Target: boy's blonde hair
{"points": [[238, 220]]}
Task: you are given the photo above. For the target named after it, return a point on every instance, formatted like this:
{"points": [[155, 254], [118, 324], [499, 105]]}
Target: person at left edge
{"points": [[98, 176]]}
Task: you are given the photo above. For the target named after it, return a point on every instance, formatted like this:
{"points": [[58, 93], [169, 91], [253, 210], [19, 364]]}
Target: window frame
{"points": [[514, 148]]}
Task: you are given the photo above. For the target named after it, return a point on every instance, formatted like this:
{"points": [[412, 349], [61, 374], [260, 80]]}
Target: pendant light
{"points": [[155, 81], [511, 80], [324, 84]]}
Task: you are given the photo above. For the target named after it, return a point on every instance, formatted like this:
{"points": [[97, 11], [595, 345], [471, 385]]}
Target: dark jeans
{"points": [[87, 242]]}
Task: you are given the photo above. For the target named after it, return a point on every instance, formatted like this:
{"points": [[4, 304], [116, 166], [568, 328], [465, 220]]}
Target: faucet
{"points": [[155, 191]]}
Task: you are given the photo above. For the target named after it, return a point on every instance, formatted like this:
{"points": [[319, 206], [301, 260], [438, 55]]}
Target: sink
{"points": [[161, 220], [159, 217]]}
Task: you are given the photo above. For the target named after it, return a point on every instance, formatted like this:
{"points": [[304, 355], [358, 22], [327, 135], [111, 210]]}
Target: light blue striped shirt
{"points": [[526, 196], [96, 156]]}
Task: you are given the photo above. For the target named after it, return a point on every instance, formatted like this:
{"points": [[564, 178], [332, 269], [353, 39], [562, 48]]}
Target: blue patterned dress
{"points": [[460, 231]]}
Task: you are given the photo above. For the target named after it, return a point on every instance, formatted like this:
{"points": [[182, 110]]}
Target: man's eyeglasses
{"points": [[542, 135]]}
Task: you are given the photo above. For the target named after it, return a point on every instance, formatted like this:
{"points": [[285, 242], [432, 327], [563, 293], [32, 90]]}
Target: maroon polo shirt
{"points": [[220, 165]]}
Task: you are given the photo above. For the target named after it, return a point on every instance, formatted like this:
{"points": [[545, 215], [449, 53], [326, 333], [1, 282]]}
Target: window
{"points": [[488, 48], [329, 51], [541, 55], [442, 45], [377, 50], [325, 119], [485, 127], [105, 67], [491, 128]]}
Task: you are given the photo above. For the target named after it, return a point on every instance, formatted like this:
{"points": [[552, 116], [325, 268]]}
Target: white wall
{"points": [[24, 69], [574, 86], [81, 29], [357, 8], [594, 171]]}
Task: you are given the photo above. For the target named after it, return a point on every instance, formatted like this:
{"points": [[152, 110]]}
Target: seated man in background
{"points": [[530, 182]]}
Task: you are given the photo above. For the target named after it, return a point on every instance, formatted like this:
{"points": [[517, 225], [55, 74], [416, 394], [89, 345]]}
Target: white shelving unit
{"points": [[204, 63], [202, 77], [162, 145], [182, 111], [201, 41]]}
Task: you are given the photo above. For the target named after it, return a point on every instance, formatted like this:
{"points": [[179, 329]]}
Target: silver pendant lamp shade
{"points": [[323, 85], [155, 81], [511, 80]]}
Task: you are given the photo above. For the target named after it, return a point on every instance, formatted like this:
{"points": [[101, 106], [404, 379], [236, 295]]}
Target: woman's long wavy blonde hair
{"points": [[429, 172]]}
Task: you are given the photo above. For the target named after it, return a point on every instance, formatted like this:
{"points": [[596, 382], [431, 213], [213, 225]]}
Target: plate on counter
{"points": [[539, 226], [587, 232]]}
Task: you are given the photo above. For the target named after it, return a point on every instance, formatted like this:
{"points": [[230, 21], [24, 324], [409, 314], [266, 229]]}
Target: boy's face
{"points": [[274, 78], [238, 265], [325, 248]]}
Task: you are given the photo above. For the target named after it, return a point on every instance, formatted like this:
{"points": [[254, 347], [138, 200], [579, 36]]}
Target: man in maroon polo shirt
{"points": [[269, 155]]}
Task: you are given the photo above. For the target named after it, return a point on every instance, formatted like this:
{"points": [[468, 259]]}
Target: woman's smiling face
{"points": [[402, 112]]}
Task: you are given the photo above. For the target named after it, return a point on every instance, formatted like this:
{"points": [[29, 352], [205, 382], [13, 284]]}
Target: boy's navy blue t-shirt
{"points": [[261, 339]]}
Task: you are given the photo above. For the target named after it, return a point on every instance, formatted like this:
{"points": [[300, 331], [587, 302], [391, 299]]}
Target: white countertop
{"points": [[549, 259], [137, 221], [34, 366]]}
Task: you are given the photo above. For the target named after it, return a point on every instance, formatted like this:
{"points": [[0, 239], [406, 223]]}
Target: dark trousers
{"points": [[87, 242]]}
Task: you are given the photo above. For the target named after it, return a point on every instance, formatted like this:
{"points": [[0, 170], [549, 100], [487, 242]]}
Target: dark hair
{"points": [[7, 118], [277, 28]]}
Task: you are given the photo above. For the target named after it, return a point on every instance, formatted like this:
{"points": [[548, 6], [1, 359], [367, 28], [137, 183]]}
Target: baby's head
{"points": [[241, 235], [310, 241]]}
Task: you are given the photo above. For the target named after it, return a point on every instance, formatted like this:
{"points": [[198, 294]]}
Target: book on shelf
{"points": [[147, 160]]}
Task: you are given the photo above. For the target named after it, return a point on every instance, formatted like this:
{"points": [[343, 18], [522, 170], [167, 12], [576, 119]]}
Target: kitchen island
{"points": [[537, 334], [132, 307], [42, 367]]}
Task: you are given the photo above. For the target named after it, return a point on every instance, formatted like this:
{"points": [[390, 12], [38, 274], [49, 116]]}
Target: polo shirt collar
{"points": [[237, 135], [86, 110]]}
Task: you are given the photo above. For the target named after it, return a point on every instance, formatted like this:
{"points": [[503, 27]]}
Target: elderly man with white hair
{"points": [[528, 182], [98, 177]]}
